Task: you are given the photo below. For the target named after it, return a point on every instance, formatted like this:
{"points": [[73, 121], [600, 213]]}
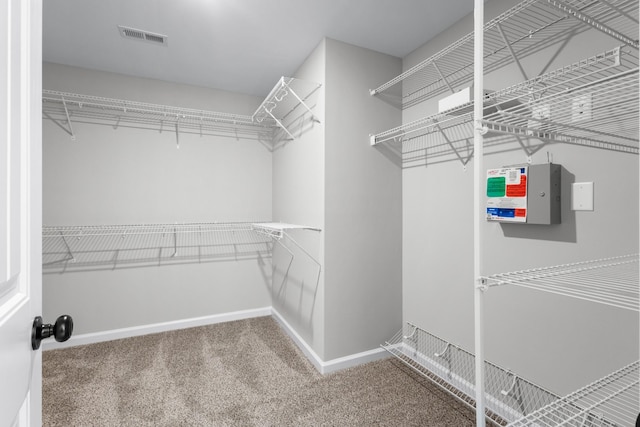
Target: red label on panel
{"points": [[521, 212], [518, 190]]}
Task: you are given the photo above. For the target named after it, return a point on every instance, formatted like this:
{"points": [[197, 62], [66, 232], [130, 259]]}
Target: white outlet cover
{"points": [[582, 196]]}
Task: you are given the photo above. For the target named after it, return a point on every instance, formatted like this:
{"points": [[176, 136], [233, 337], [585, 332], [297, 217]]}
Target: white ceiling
{"points": [[237, 45]]}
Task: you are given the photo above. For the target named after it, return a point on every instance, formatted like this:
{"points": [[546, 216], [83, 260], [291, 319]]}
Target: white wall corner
{"points": [[333, 365]]}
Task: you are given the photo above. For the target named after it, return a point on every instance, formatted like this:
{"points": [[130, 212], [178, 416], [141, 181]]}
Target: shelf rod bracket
{"points": [[560, 4], [279, 124], [64, 240], [177, 137], [507, 43], [410, 336], [304, 104], [444, 136], [443, 352], [286, 273], [175, 243], [444, 79], [527, 148], [515, 386], [66, 112]]}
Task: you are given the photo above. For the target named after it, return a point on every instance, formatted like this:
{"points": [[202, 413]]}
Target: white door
{"points": [[20, 210]]}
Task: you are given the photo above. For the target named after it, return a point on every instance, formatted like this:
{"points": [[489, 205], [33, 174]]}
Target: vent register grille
{"points": [[132, 33]]}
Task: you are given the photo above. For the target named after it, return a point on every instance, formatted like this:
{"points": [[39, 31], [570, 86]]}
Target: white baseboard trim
{"points": [[332, 365], [324, 367], [135, 331]]}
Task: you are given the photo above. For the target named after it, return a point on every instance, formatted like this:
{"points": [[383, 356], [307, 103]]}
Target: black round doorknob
{"points": [[61, 330]]}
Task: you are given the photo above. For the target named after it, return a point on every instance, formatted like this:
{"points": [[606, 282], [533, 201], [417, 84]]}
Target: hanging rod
{"points": [[609, 281], [526, 28]]}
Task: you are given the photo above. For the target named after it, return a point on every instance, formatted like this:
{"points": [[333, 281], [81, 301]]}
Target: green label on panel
{"points": [[496, 186]]}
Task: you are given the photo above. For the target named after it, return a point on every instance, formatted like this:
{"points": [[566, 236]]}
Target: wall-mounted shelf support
{"points": [[277, 231], [66, 112], [443, 77], [286, 104], [464, 160], [507, 43], [70, 256]]}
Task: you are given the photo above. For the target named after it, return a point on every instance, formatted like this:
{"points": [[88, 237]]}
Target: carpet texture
{"points": [[242, 373]]}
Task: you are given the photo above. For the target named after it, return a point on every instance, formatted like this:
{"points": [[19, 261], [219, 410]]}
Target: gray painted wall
{"points": [[133, 176], [298, 198], [363, 239], [331, 178], [560, 343]]}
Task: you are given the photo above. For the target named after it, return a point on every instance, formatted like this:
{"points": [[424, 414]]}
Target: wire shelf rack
{"points": [[281, 116], [100, 247], [66, 108], [526, 28], [610, 281], [602, 114], [452, 368], [572, 104], [119, 246], [611, 401]]}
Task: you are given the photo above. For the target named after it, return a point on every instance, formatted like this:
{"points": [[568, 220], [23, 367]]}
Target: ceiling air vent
{"points": [[132, 33]]}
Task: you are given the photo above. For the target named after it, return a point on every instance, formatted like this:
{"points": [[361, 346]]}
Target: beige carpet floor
{"points": [[243, 373]]}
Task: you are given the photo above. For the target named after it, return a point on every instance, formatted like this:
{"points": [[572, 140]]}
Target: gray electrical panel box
{"points": [[543, 202]]}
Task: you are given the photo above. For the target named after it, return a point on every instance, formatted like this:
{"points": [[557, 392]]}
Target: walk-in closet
{"points": [[349, 213]]}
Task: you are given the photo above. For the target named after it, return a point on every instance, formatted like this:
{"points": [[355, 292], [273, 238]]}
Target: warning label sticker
{"points": [[507, 194]]}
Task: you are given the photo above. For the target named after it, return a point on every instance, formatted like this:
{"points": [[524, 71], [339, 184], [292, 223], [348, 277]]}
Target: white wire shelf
{"points": [[609, 281], [66, 108], [98, 247], [452, 368], [611, 401], [543, 108], [277, 229], [608, 117], [119, 246], [526, 28], [281, 116], [289, 106]]}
